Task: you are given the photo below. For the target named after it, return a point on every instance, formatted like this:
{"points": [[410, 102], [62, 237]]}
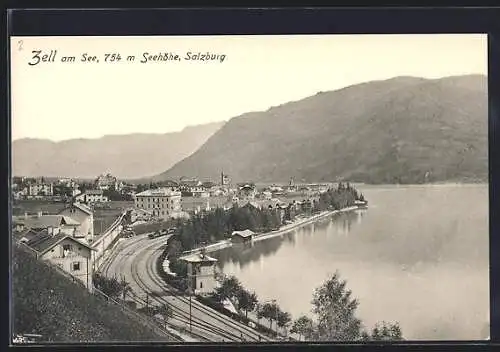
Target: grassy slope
{"points": [[47, 303]]}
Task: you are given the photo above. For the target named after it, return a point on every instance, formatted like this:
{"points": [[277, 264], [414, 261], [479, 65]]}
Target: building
{"points": [[119, 185], [85, 217], [247, 192], [267, 195], [105, 181], [40, 189], [161, 202], [244, 236], [92, 196], [201, 273], [200, 194], [69, 254], [54, 224], [188, 186], [225, 181]]}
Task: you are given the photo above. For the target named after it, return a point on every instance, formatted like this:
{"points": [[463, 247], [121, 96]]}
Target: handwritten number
{"points": [[20, 45]]}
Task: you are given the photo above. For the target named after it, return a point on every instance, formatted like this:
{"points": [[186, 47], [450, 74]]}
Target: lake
{"points": [[418, 255]]}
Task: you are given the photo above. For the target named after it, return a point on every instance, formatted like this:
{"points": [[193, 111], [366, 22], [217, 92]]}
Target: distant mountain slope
{"points": [[125, 156], [391, 131]]}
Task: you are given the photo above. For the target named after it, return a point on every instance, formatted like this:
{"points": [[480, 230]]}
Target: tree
{"points": [[260, 312], [229, 288], [246, 301], [174, 248], [284, 319], [270, 311], [179, 267], [384, 332], [109, 286], [335, 309], [124, 287], [302, 326]]}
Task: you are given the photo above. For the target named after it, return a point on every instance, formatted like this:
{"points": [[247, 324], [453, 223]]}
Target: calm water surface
{"points": [[418, 255]]}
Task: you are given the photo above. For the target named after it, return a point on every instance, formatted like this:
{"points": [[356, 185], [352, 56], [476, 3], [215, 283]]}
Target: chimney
{"points": [[50, 230], [25, 215]]}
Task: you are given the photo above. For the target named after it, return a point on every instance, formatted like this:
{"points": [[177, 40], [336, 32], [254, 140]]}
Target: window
{"points": [[201, 284], [75, 266], [66, 247]]}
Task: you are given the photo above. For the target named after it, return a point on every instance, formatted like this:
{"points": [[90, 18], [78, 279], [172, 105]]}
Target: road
{"points": [[135, 259]]}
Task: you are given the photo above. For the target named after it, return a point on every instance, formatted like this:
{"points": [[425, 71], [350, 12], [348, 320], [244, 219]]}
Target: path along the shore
{"points": [[285, 229]]}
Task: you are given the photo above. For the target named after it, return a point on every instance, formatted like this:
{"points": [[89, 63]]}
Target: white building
{"points": [[162, 202], [92, 196], [41, 189]]}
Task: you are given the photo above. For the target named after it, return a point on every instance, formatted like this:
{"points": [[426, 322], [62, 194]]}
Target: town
{"points": [[83, 227]]}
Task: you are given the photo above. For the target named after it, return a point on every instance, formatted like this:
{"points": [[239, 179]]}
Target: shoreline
{"points": [[302, 222], [267, 235]]}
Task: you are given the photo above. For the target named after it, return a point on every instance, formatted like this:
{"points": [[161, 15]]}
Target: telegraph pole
{"points": [[190, 319], [190, 268]]}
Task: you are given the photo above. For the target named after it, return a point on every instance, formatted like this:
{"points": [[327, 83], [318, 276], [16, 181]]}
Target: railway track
{"points": [[136, 260]]}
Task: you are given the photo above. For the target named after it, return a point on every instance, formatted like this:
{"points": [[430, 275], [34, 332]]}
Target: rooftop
{"points": [[159, 192], [244, 233], [80, 206], [247, 188], [43, 241], [198, 258], [45, 221], [94, 191]]}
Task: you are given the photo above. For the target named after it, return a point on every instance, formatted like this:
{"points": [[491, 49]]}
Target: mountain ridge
{"points": [[370, 113], [127, 156]]}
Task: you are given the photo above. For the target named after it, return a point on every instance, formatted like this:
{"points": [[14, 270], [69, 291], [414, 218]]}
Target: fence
{"points": [[152, 323], [107, 239]]}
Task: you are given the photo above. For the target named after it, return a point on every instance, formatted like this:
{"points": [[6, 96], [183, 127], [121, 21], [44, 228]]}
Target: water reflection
{"points": [[241, 255], [414, 256], [244, 254]]}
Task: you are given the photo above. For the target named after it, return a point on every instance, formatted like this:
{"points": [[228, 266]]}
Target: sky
{"points": [[65, 100]]}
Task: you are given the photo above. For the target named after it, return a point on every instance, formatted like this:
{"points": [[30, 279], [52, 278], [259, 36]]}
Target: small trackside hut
{"points": [[201, 273]]}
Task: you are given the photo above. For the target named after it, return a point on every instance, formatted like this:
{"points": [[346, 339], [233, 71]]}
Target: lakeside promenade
{"points": [[266, 235]]}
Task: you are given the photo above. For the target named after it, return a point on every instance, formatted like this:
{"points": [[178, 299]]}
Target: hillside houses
{"points": [[63, 239], [65, 251], [52, 223], [75, 220], [84, 216]]}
